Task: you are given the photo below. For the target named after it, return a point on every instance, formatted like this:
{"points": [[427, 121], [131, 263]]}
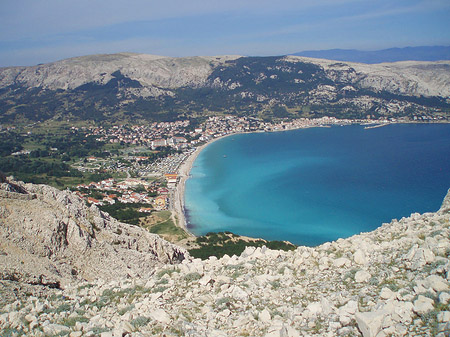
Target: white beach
{"points": [[184, 173]]}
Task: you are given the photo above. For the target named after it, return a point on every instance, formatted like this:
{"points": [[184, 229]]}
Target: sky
{"points": [[42, 31]]}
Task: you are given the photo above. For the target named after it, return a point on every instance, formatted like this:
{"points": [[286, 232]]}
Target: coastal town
{"points": [[157, 183]]}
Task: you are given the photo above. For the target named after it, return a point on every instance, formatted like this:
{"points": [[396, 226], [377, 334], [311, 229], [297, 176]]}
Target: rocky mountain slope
{"points": [[50, 237], [394, 281], [157, 87]]}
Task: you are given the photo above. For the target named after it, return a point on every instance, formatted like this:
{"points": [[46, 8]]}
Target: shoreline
{"points": [[178, 208], [184, 174]]}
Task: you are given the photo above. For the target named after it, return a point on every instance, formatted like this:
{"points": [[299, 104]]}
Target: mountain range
{"points": [[434, 53], [148, 87]]}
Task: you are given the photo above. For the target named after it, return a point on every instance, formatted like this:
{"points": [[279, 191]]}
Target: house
{"points": [[109, 200], [179, 140], [94, 201], [163, 190], [158, 142], [171, 179], [160, 202]]}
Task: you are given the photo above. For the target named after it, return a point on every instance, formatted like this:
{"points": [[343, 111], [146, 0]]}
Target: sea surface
{"points": [[309, 186]]}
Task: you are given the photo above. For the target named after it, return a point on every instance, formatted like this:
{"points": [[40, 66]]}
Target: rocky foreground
{"points": [[51, 238], [394, 281]]}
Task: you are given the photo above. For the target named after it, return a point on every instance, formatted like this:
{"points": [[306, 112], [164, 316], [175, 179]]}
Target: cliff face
{"points": [[51, 237], [394, 281]]}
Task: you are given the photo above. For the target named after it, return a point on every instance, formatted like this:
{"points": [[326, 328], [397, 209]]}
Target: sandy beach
{"points": [[184, 172]]}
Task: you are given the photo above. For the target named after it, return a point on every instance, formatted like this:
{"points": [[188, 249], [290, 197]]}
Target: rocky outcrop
{"points": [[51, 237], [394, 281]]}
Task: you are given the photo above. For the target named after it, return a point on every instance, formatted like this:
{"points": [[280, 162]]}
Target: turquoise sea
{"points": [[310, 186]]}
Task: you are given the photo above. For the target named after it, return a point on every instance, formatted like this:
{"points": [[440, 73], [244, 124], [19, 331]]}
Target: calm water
{"points": [[315, 185]]}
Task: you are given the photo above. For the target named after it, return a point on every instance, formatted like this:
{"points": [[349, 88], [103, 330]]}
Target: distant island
{"points": [[435, 53]]}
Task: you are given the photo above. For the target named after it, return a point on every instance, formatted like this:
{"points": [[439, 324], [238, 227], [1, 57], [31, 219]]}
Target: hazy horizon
{"points": [[37, 31]]}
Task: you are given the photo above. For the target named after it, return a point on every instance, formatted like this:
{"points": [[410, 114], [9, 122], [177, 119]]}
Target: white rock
{"points": [[160, 315], [264, 316], [54, 329], [323, 263], [314, 308], [15, 319], [341, 262], [401, 329], [444, 298], [437, 283], [444, 317], [326, 306], [402, 311], [345, 320], [127, 327], [347, 311], [4, 318], [216, 333], [239, 294], [423, 304], [75, 334], [387, 294], [362, 276], [204, 280], [349, 308], [421, 257], [30, 318], [359, 257], [277, 331], [33, 324], [226, 313], [370, 323], [248, 251]]}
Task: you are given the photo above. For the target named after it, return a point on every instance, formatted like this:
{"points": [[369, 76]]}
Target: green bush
{"points": [[219, 244]]}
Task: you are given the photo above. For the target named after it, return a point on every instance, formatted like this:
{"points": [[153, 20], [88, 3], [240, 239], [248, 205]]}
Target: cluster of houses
{"points": [[152, 135], [176, 134], [125, 192]]}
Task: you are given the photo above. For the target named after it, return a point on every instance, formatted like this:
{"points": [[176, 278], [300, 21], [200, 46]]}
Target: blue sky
{"points": [[41, 31]]}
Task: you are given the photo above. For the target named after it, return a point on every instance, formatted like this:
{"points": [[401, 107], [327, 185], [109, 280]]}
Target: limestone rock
{"points": [[370, 323], [423, 304], [58, 240], [362, 276], [341, 262], [387, 294], [76, 334], [437, 283], [444, 298], [444, 317], [160, 315], [359, 257], [55, 329], [264, 316]]}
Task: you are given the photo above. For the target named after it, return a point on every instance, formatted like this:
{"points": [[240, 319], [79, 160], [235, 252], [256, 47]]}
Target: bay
{"points": [[309, 186]]}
